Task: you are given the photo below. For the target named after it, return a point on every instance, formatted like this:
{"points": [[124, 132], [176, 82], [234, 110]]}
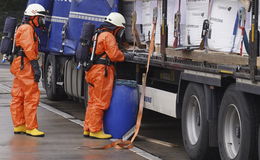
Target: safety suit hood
{"points": [[118, 32], [108, 26]]}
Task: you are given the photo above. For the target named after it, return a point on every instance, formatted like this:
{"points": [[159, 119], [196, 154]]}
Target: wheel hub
{"points": [[193, 125], [232, 131]]}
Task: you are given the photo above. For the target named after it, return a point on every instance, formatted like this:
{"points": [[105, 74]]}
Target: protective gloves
{"points": [[36, 69], [129, 56]]}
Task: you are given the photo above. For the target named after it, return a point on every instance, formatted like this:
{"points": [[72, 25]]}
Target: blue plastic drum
{"points": [[121, 115]]}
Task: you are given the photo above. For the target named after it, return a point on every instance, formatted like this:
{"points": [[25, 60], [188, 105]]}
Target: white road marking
{"points": [[56, 111], [79, 122], [163, 143], [144, 154]]}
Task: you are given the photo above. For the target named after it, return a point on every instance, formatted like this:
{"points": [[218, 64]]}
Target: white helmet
{"points": [[116, 19], [35, 10]]}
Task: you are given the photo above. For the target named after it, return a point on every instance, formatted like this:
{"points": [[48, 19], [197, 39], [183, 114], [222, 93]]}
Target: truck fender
{"points": [[180, 95]]}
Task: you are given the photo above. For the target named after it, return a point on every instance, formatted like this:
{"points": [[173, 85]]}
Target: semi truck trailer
{"points": [[204, 70]]}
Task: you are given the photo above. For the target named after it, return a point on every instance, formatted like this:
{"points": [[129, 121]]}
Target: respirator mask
{"points": [[42, 22], [120, 35]]}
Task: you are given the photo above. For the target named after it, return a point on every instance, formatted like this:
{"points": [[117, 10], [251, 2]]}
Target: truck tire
{"points": [[237, 131], [195, 129], [53, 91]]}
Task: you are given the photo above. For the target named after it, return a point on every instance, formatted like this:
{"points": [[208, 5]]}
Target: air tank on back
{"points": [[43, 35], [59, 21], [6, 45], [85, 11]]}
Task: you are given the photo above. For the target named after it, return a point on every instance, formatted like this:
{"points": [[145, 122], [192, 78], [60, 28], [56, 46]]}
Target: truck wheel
{"points": [[53, 91], [237, 131], [194, 122]]}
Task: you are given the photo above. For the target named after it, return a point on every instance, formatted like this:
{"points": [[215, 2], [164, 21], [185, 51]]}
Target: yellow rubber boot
{"points": [[35, 133], [100, 135], [20, 129], [86, 133]]}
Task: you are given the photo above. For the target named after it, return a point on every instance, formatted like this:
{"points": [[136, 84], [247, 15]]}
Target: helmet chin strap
{"points": [[33, 22]]}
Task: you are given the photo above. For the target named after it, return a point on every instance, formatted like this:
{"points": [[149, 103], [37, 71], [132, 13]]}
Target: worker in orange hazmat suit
{"points": [[100, 77], [25, 68]]}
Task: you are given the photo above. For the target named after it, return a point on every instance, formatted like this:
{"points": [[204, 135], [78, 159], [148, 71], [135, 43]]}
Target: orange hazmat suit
{"points": [[101, 83], [25, 92]]}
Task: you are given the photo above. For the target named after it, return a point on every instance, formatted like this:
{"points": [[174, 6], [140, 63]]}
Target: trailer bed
{"points": [[198, 60]]}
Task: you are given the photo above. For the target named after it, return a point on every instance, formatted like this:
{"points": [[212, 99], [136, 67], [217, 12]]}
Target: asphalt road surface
{"points": [[159, 138]]}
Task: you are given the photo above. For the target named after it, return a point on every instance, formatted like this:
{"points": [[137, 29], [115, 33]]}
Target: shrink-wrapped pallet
{"points": [[225, 33], [193, 13], [173, 8], [147, 18], [196, 13]]}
